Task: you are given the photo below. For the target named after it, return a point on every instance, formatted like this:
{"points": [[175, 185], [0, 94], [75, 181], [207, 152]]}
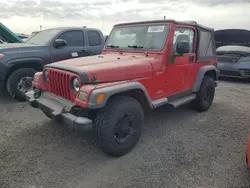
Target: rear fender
{"points": [[201, 74]]}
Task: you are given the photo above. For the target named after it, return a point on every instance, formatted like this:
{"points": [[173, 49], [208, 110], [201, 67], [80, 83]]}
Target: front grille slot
{"points": [[245, 72], [60, 84], [229, 73]]}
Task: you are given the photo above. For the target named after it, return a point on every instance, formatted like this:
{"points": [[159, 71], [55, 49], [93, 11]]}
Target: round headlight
{"points": [[76, 84], [46, 75]]}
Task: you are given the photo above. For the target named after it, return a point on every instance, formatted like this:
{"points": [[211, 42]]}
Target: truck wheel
{"points": [[118, 126], [19, 82], [205, 96]]}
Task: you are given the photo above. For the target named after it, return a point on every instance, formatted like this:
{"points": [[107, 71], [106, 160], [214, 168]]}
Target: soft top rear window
{"points": [[206, 47]]}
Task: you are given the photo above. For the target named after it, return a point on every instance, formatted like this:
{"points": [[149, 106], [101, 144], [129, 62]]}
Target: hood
{"points": [[111, 67], [238, 37], [21, 50], [15, 45], [233, 54], [8, 35], [233, 49]]}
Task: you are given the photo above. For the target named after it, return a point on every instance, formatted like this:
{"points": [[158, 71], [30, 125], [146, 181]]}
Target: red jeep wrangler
{"points": [[144, 65]]}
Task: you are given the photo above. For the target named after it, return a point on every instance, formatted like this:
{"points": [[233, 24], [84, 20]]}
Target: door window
{"points": [[73, 38], [184, 34]]}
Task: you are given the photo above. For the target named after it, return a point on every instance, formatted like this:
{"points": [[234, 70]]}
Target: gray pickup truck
{"points": [[20, 61]]}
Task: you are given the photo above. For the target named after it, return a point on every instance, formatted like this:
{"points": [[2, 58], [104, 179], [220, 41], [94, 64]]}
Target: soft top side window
{"points": [[206, 46], [184, 34]]}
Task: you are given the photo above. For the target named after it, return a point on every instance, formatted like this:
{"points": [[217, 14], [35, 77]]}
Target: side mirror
{"points": [[59, 43], [182, 47]]}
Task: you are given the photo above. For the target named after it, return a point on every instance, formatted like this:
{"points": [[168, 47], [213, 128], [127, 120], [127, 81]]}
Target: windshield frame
{"points": [[139, 49], [56, 31]]}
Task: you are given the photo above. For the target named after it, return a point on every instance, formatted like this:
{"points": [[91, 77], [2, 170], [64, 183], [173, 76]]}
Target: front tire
{"points": [[19, 82], [118, 126], [205, 96]]}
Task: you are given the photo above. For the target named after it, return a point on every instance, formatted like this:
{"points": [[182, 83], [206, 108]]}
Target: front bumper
{"points": [[58, 109], [234, 70]]}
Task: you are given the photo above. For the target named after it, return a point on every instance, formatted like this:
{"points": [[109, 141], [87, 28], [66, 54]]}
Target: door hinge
{"points": [[191, 58]]}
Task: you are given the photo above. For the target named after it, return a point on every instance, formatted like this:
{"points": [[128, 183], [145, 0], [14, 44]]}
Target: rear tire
{"points": [[16, 80], [205, 96], [118, 126]]}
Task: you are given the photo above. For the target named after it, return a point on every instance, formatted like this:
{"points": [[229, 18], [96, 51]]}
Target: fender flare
{"points": [[17, 61], [115, 89], [11, 64], [200, 75]]}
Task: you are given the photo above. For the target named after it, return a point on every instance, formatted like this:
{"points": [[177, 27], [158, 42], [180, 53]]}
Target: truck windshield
{"points": [[138, 37], [43, 37]]}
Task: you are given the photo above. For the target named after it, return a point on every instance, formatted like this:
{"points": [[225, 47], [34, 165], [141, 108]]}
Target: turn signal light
{"points": [[100, 98]]}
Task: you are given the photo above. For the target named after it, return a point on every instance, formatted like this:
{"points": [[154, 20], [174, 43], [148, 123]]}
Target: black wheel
{"points": [[19, 82], [205, 96], [118, 126]]}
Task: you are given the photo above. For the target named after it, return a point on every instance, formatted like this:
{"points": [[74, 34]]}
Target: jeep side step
{"points": [[181, 101]]}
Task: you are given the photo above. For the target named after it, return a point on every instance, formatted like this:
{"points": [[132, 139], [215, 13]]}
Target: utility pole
{"points": [[102, 23], [164, 17]]}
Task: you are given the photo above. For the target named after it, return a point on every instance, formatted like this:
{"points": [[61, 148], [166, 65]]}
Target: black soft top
{"points": [[192, 23]]}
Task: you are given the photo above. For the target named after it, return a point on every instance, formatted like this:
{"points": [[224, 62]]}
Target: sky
{"points": [[25, 16]]}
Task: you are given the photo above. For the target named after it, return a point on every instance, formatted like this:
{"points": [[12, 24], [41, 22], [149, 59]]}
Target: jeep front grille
{"points": [[60, 83], [245, 72]]}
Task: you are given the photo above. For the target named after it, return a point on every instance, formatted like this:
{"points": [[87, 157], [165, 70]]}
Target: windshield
{"points": [[140, 37], [42, 37]]}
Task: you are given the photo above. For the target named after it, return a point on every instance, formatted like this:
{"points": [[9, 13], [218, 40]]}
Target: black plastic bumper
{"points": [[58, 109]]}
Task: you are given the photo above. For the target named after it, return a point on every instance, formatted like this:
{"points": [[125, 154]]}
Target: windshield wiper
{"points": [[135, 46], [112, 46]]}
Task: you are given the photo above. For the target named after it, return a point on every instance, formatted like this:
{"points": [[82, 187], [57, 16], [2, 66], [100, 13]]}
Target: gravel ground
{"points": [[179, 148]]}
